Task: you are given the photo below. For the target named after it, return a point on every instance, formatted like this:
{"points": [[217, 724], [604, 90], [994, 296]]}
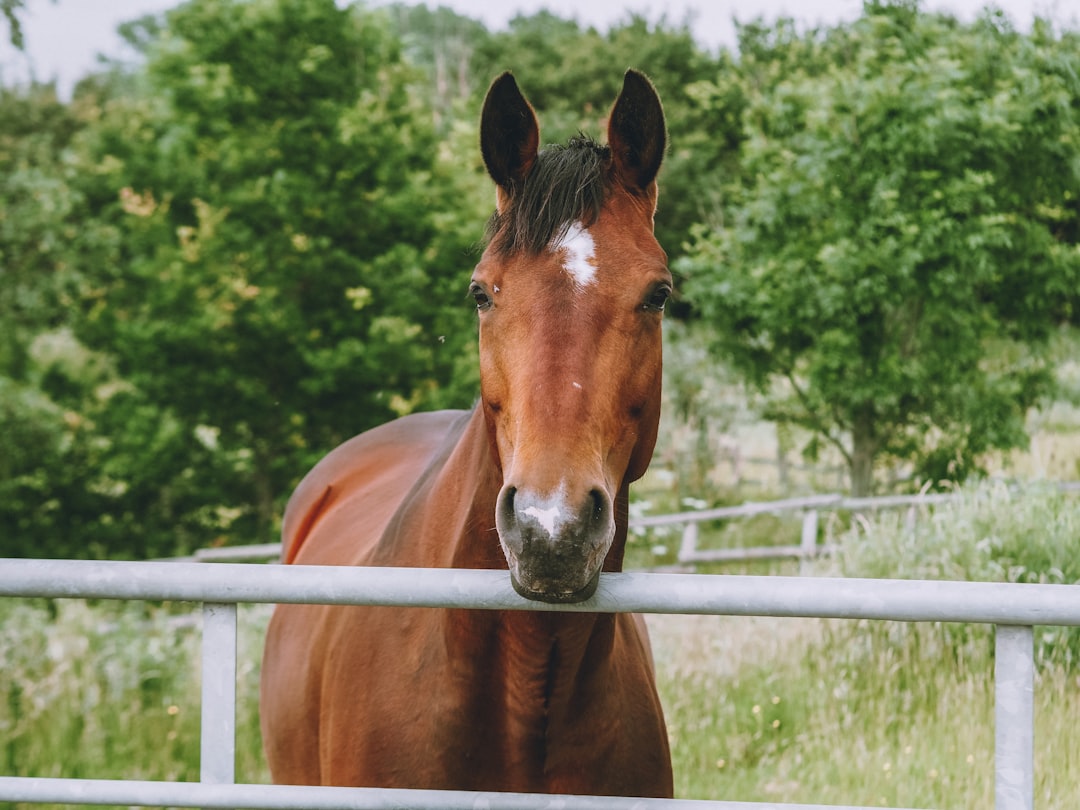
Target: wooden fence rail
{"points": [[810, 506]]}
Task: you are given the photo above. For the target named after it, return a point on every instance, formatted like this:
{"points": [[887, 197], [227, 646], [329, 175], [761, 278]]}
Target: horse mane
{"points": [[567, 184]]}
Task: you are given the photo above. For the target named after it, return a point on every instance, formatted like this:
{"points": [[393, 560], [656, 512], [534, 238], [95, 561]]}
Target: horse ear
{"points": [[636, 132], [509, 134]]}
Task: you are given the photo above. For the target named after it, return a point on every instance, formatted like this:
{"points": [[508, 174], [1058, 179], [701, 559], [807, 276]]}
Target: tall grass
{"points": [[993, 533], [799, 710], [111, 690], [881, 713]]}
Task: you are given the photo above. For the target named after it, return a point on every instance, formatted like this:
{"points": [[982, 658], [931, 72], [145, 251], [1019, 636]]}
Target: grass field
{"points": [[758, 709], [792, 710], [880, 713]]}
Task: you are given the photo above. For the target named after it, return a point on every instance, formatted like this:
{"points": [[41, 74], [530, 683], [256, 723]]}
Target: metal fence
{"points": [[1013, 608]]}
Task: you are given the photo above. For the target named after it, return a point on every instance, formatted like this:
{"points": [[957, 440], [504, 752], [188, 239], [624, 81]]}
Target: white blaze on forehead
{"points": [[580, 249]]}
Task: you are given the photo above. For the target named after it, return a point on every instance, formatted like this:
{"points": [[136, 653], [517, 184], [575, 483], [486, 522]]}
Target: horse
{"points": [[569, 291]]}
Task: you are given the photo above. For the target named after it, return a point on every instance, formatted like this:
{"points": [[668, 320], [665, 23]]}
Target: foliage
{"points": [[10, 9], [271, 252], [35, 129], [221, 259], [443, 44], [905, 236], [53, 481], [992, 533], [112, 691]]}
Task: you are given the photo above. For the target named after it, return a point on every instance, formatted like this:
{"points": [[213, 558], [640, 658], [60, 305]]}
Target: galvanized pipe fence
{"points": [[1013, 608]]}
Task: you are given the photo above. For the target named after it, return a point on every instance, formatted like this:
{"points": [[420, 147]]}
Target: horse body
{"points": [[535, 480]]}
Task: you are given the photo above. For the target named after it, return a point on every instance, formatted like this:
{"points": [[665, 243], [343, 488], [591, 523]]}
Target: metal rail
{"points": [[716, 594], [1013, 608], [288, 797]]}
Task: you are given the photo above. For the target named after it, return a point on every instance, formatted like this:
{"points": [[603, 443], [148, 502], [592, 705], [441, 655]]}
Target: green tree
{"points": [[35, 129], [9, 10], [443, 44], [88, 466], [36, 431], [281, 247], [900, 245]]}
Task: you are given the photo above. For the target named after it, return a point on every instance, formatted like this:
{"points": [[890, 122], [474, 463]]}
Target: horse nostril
{"points": [[599, 503], [506, 514]]}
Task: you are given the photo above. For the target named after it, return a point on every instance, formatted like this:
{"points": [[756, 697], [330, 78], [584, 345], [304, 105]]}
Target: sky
{"points": [[64, 37]]}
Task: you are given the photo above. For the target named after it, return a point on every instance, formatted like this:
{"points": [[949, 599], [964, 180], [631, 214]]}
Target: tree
{"points": [[443, 44], [10, 9], [88, 466], [899, 247], [288, 250]]}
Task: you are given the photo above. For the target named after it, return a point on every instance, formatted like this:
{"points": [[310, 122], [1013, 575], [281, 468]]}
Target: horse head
{"points": [[570, 293]]}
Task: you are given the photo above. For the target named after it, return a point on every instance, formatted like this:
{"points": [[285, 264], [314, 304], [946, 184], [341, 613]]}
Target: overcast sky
{"points": [[63, 38]]}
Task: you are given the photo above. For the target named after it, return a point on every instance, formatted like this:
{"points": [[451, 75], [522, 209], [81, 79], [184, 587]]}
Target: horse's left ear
{"points": [[636, 132]]}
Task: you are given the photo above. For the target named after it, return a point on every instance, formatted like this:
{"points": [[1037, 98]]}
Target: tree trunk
{"points": [[864, 446], [264, 497]]}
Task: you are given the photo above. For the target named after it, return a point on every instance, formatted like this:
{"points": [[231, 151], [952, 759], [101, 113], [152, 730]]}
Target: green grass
{"points": [[880, 713], [759, 709], [801, 711], [111, 690]]}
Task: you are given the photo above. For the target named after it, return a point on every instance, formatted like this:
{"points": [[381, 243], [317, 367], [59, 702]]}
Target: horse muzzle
{"points": [[555, 548]]}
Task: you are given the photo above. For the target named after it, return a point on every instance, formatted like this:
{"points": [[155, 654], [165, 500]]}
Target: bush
{"points": [[992, 533]]}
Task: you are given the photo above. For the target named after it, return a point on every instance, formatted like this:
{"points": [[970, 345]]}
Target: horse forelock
{"points": [[568, 184]]}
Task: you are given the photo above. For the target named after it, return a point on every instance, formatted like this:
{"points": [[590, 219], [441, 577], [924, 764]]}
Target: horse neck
{"points": [[462, 498]]}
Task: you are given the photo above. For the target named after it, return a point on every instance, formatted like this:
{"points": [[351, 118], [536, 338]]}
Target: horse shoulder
{"points": [[343, 504]]}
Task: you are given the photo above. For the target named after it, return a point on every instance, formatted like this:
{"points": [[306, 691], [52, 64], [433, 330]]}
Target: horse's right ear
{"points": [[509, 134], [636, 132]]}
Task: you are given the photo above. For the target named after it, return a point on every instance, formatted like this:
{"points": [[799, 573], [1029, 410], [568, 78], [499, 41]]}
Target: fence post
{"points": [[689, 541], [1014, 718], [218, 749], [910, 521], [808, 539]]}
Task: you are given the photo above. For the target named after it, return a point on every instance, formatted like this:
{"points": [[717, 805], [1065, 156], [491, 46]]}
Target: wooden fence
{"points": [[809, 507]]}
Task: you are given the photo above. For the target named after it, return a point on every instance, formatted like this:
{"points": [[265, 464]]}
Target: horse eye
{"points": [[482, 299], [657, 299]]}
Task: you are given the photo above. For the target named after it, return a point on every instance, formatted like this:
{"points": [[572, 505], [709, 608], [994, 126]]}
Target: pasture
{"points": [[758, 709], [916, 354]]}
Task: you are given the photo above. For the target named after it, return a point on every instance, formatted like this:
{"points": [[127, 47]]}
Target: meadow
{"points": [[880, 713], [758, 709]]}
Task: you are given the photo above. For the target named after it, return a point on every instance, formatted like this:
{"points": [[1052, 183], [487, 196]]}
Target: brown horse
{"points": [[569, 291]]}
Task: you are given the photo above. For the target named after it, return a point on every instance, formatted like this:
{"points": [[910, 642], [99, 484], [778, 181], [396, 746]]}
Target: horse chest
{"points": [[543, 714]]}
